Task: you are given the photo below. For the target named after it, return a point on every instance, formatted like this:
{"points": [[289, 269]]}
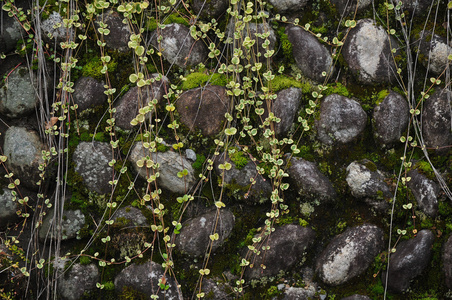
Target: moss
{"points": [[200, 159], [425, 168], [85, 260], [371, 166], [337, 88], [239, 159], [281, 82], [198, 79], [151, 23], [129, 293], [93, 68]]}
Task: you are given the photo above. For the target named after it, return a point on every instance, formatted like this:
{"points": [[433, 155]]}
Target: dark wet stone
{"points": [[88, 93], [346, 7], [286, 108], [288, 6], [11, 32], [210, 9], [356, 297], [77, 281], [447, 262], [130, 215], [424, 191], [120, 33], [8, 209]]}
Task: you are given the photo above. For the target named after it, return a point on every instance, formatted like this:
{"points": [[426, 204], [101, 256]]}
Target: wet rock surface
{"points": [[425, 192]]}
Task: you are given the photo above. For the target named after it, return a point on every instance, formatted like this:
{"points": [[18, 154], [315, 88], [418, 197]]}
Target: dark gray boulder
{"points": [[309, 181], [91, 163], [119, 36], [71, 223], [194, 237], [433, 51], [78, 280], [145, 278], [88, 92], [425, 192], [341, 120], [286, 108], [214, 289], [178, 46], [349, 254], [288, 245], [367, 51], [288, 6], [436, 119], [346, 7], [8, 208], [390, 119], [131, 216], [204, 109], [207, 10], [410, 259], [11, 32], [356, 297], [311, 56], [447, 261], [418, 7]]}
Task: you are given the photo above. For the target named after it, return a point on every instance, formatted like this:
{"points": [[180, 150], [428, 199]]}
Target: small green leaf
{"points": [[230, 131]]}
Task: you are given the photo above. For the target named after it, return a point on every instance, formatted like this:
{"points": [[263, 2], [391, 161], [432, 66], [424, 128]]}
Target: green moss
{"points": [[371, 166], [239, 159], [337, 88], [93, 68], [85, 260], [198, 79], [200, 159], [281, 82], [425, 168], [151, 23]]}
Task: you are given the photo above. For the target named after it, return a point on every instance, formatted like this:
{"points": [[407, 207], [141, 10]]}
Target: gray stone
{"points": [[17, 95], [287, 6], [88, 92], [367, 51], [447, 262], [80, 279], [145, 278], [23, 149], [436, 120], [286, 108], [310, 55], [8, 208], [170, 163], [341, 120], [91, 163], [133, 215], [204, 109], [119, 36], [54, 31], [418, 7], [424, 191], [288, 245], [71, 223], [11, 32], [300, 293], [390, 119], [347, 7], [190, 155], [207, 10], [356, 297], [433, 51], [178, 46], [309, 181], [410, 259], [194, 237], [216, 290], [349, 254]]}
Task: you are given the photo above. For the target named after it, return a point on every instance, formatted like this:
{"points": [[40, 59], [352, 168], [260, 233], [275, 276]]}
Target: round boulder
{"points": [[286, 108], [80, 279], [433, 51], [10, 34], [71, 223], [207, 10], [88, 92], [8, 208], [119, 36], [341, 120], [424, 191], [287, 6], [131, 215], [54, 29]]}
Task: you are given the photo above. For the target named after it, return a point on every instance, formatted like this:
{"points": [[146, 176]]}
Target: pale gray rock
{"points": [[390, 119], [120, 32], [132, 215], [349, 254], [300, 293], [286, 108], [410, 259], [79, 279], [178, 46], [8, 208], [190, 154], [194, 237], [170, 163], [54, 31], [447, 261], [433, 51], [145, 278], [208, 9], [71, 223], [17, 94], [91, 163], [341, 120], [425, 192], [287, 6], [88, 92], [367, 51], [311, 56], [356, 297], [347, 7], [11, 32], [216, 290]]}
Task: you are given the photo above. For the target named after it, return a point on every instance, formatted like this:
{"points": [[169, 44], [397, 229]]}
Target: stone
{"points": [[341, 120], [307, 179], [145, 278], [194, 237], [447, 261], [286, 108], [300, 293], [207, 10], [17, 94], [410, 259], [91, 163], [178, 47], [88, 93], [71, 223], [204, 109], [11, 32], [356, 297], [347, 7], [215, 290], [390, 119], [417, 7], [78, 280], [170, 164], [288, 245], [120, 32], [436, 120], [287, 6], [54, 31], [132, 215], [8, 209], [367, 51], [433, 52], [190, 155], [311, 56], [128, 106], [349, 254], [425, 192], [23, 148]]}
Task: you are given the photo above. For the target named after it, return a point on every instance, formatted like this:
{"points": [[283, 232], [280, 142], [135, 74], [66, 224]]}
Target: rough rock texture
{"points": [[357, 297], [390, 119], [424, 191], [367, 51], [17, 95], [286, 108], [131, 215], [24, 151], [216, 290], [433, 51], [346, 7], [88, 93], [210, 9], [409, 260], [53, 29], [341, 120], [447, 261], [287, 243], [349, 254], [285, 6], [309, 181], [365, 181], [120, 33], [91, 163], [310, 55], [178, 47], [72, 222], [145, 278], [204, 109], [128, 106], [11, 32], [194, 237], [300, 293], [170, 163], [436, 119], [7, 208], [80, 279], [418, 7]]}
